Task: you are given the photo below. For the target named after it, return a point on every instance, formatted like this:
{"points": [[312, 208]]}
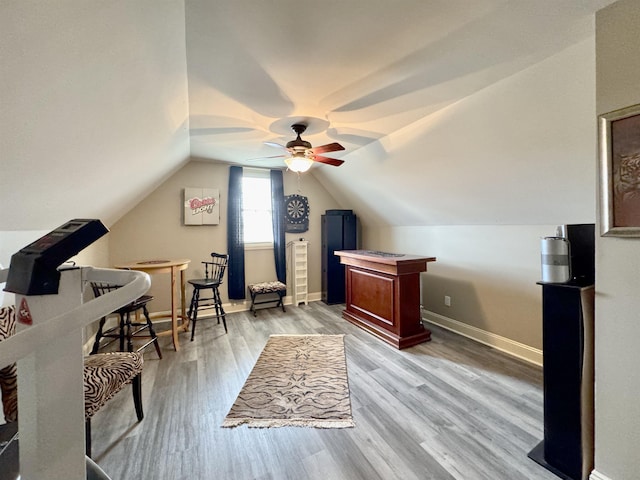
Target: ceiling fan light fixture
{"points": [[298, 163]]}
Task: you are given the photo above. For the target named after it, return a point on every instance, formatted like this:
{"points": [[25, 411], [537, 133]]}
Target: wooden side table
{"points": [[153, 267]]}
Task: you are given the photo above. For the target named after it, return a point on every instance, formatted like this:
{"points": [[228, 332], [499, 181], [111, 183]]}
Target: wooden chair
{"points": [[126, 328], [105, 374], [213, 272]]}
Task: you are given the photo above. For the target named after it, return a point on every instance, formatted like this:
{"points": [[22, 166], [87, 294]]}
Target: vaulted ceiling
{"points": [[357, 71], [101, 102]]}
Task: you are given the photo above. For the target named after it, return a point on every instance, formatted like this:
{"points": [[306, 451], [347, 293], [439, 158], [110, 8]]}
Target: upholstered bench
{"points": [[266, 288]]}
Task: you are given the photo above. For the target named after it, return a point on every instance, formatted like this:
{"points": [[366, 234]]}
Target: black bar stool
{"points": [[213, 272], [126, 329]]}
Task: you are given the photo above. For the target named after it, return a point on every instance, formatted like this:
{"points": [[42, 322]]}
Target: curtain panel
{"points": [[277, 218], [235, 236]]}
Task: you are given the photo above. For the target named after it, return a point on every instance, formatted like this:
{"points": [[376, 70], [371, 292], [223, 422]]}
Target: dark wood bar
{"points": [[383, 295]]}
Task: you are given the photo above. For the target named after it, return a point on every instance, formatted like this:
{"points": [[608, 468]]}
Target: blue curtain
{"points": [[235, 236], [277, 218]]}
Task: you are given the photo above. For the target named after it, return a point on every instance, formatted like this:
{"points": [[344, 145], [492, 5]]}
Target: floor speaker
{"points": [[567, 447]]}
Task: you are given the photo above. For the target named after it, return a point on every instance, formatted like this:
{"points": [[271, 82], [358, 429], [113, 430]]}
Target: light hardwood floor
{"points": [[447, 409]]}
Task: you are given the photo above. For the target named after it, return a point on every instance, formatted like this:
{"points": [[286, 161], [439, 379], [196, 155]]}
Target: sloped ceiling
{"points": [[96, 112], [93, 108], [376, 76], [363, 68]]}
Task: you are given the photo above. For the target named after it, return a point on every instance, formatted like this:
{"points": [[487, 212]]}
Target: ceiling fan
{"points": [[303, 154]]}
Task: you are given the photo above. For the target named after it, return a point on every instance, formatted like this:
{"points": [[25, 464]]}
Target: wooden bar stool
{"points": [[126, 328], [213, 272]]}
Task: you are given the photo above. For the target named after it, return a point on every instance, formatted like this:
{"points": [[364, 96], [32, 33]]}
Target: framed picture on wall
{"points": [[619, 138], [201, 206]]}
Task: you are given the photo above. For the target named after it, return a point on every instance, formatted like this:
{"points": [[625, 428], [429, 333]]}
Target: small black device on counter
{"points": [[582, 241], [34, 269]]}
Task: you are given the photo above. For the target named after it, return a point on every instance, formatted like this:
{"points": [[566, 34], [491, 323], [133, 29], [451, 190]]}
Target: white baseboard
{"points": [[244, 305], [315, 297], [595, 475], [506, 345]]}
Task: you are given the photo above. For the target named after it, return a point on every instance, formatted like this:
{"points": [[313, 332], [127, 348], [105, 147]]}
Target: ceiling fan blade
{"points": [[329, 161], [330, 147]]}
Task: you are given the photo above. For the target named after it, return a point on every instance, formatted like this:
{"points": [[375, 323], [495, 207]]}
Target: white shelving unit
{"points": [[298, 272]]}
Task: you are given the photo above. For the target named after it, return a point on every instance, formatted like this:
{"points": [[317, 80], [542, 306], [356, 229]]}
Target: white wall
{"points": [[521, 151], [93, 113], [154, 229], [617, 405], [478, 184], [489, 272]]}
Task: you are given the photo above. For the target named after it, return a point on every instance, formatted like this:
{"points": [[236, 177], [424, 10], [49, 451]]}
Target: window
{"points": [[256, 206]]}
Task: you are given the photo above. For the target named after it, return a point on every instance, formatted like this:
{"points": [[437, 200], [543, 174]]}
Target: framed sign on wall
{"points": [[201, 206]]}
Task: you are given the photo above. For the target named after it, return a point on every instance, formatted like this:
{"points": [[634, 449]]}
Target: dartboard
{"points": [[297, 213]]}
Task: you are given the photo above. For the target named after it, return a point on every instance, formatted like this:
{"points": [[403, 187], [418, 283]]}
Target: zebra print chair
{"points": [[105, 374], [9, 374]]}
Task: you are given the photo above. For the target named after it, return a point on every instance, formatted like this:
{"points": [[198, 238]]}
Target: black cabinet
{"points": [[338, 233], [567, 327]]}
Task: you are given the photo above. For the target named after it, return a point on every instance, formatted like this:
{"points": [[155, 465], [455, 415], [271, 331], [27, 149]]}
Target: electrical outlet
{"points": [[447, 301]]}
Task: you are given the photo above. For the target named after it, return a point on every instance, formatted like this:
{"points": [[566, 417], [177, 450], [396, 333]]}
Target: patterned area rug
{"points": [[298, 380]]}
